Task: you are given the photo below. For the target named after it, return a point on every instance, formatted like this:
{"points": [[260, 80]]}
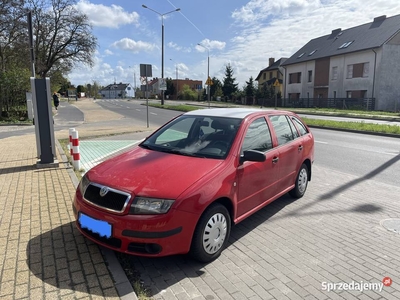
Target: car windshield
{"points": [[199, 136]]}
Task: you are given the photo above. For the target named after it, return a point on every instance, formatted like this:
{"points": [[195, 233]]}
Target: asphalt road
{"points": [[369, 157], [67, 116], [135, 109], [366, 156]]}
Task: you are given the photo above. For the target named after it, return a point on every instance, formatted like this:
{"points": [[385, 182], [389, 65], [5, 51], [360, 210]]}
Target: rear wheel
{"points": [[301, 182], [211, 234]]}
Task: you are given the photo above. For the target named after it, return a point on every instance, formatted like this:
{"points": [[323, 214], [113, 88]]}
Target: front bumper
{"points": [[143, 235]]}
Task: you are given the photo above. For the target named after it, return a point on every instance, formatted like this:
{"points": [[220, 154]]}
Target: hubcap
{"points": [[214, 233], [302, 181]]}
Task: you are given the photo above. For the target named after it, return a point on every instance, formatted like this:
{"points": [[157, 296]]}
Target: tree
{"points": [[215, 86], [188, 94], [250, 90], [63, 36], [229, 86], [170, 91]]}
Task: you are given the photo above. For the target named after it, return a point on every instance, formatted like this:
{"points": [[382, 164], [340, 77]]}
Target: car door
{"points": [[290, 147], [257, 180]]}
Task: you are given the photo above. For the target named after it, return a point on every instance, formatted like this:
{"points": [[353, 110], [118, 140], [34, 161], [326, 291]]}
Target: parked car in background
{"points": [[183, 187]]}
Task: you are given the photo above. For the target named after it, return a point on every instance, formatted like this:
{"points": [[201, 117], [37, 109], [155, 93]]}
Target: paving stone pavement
{"points": [[288, 250], [42, 255]]}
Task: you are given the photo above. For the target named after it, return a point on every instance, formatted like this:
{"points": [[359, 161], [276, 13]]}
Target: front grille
{"points": [[113, 242], [113, 200]]}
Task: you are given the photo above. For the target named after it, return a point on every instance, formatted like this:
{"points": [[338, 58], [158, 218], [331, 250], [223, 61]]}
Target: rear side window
{"points": [[258, 136], [294, 130], [282, 129], [302, 128]]}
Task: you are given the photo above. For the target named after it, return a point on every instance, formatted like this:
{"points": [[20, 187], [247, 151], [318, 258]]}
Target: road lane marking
{"points": [[153, 113], [319, 142]]}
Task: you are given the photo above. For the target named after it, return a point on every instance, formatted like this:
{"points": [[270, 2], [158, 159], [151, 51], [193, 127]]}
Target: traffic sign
{"points": [[209, 81], [276, 83]]}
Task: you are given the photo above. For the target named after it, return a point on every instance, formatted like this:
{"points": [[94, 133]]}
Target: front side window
{"points": [[199, 136], [258, 137], [283, 131]]}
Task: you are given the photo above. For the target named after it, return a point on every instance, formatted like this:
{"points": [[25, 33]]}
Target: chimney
{"points": [[380, 19], [271, 61], [336, 31]]}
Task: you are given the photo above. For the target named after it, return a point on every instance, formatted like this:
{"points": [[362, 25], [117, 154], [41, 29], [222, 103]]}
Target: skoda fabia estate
{"points": [[183, 187]]}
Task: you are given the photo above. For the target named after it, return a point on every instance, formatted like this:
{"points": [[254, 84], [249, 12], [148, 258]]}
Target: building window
{"points": [[301, 55], [349, 71], [270, 75], [345, 45], [264, 76], [312, 52], [365, 69], [348, 94], [309, 76], [295, 77], [334, 73]]}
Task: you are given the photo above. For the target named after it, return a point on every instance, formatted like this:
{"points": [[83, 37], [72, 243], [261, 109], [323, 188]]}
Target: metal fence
{"points": [[340, 103]]}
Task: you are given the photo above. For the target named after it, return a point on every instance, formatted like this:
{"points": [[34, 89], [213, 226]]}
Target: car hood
{"points": [[151, 173]]}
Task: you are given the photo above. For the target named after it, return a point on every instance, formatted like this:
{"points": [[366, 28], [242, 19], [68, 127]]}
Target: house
{"points": [[154, 84], [117, 90], [362, 62], [268, 77]]}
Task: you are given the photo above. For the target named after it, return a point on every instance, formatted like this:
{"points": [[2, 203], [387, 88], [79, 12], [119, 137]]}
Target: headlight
{"points": [[150, 206], [83, 184]]}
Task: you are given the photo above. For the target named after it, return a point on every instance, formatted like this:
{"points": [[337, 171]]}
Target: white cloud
{"points": [[179, 48], [108, 52], [210, 45], [107, 16], [133, 46], [259, 10]]}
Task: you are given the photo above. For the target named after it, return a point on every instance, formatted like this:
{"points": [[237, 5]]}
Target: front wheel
{"points": [[211, 234], [301, 183]]}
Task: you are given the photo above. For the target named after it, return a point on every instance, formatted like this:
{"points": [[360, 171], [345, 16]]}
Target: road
{"points": [[366, 156], [67, 116], [135, 110]]}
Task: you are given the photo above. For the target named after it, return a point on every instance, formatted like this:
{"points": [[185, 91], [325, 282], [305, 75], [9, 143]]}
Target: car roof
{"points": [[234, 112]]}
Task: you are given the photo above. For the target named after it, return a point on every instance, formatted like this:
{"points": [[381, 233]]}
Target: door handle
{"points": [[300, 148], [275, 160]]}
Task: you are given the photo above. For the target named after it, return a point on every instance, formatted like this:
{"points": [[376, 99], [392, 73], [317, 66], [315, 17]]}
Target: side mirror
{"points": [[252, 155]]}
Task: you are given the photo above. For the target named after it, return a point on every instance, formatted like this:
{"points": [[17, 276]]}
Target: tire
{"points": [[301, 183], [211, 234]]}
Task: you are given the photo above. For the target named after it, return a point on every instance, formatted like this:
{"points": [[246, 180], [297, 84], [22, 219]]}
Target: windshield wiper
{"points": [[148, 147]]}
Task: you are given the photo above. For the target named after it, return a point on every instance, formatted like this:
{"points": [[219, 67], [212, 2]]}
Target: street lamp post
{"points": [[208, 72], [177, 84], [162, 41]]}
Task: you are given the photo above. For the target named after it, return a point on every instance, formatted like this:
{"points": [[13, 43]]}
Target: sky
{"points": [[242, 33]]}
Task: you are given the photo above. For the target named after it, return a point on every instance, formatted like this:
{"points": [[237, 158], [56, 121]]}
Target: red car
{"points": [[184, 186]]}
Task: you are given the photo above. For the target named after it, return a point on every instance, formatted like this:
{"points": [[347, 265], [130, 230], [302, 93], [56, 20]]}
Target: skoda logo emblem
{"points": [[103, 191]]}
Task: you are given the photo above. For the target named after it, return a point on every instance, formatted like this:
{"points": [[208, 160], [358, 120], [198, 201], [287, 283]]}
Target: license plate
{"points": [[97, 226]]}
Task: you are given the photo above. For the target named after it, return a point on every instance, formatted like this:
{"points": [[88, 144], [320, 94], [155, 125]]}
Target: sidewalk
{"points": [[42, 254]]}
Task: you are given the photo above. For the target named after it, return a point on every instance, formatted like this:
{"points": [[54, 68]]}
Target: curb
{"points": [[357, 131], [121, 281]]}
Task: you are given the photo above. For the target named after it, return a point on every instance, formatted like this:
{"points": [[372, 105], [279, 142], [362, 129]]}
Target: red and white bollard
{"points": [[70, 140], [76, 158]]}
